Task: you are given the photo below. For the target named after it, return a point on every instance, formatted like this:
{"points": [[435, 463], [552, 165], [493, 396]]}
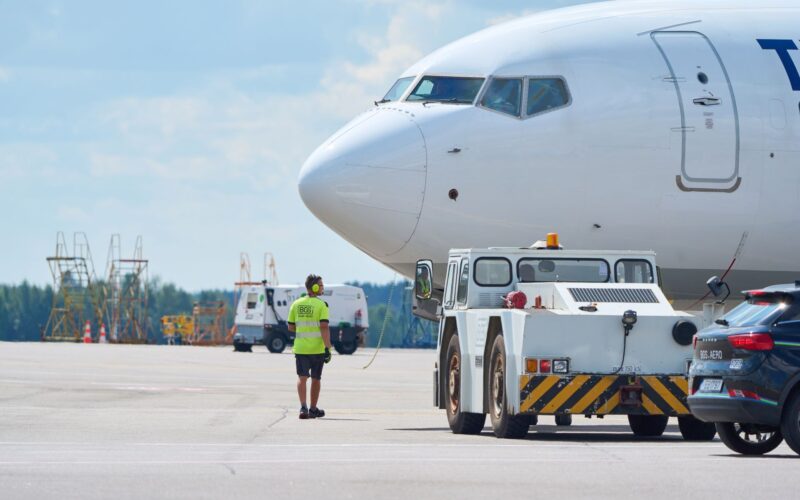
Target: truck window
{"points": [[252, 300], [450, 284], [572, 270], [463, 283], [633, 271], [492, 271]]}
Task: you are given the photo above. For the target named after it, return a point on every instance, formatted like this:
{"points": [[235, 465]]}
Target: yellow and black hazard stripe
{"points": [[600, 394]]}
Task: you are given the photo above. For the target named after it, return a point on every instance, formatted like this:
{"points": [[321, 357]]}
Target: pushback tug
{"points": [[536, 331]]}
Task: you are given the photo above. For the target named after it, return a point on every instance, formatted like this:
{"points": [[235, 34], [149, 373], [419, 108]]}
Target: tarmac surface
{"points": [[101, 421]]}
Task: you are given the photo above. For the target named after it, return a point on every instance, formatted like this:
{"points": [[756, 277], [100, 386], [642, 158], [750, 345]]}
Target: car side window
{"points": [[504, 95], [545, 94], [463, 283]]}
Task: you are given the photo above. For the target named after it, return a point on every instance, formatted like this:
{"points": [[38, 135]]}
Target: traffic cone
{"points": [[87, 333], [103, 339]]}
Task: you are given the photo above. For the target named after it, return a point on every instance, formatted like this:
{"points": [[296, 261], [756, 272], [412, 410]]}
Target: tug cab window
{"points": [[634, 271], [570, 270], [463, 283], [398, 89], [446, 89], [545, 94], [492, 272], [504, 95]]}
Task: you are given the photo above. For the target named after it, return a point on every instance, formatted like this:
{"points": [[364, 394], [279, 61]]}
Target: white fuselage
{"points": [[681, 135]]}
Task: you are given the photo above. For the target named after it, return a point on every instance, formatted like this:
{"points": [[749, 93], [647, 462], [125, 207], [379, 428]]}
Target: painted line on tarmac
{"points": [[253, 409], [475, 460], [521, 445]]}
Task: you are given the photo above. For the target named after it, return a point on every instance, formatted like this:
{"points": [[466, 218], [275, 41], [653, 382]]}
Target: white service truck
{"points": [[586, 333], [263, 309]]}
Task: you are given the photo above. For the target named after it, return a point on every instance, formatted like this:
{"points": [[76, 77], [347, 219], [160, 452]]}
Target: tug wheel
{"points": [[648, 425], [504, 424], [460, 422], [693, 429]]}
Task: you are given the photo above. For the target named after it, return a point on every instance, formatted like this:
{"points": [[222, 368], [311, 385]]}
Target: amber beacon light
{"points": [[552, 240]]}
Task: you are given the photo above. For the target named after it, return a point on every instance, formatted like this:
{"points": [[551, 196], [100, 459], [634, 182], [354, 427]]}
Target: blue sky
{"points": [[187, 123]]}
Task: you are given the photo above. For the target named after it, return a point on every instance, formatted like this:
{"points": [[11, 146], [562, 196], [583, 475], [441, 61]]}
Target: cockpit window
{"points": [[545, 94], [398, 89], [504, 95], [448, 89]]}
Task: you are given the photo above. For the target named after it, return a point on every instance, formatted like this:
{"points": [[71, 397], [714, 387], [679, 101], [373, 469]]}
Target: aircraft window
{"points": [[398, 89], [252, 300], [463, 281], [492, 272], [545, 94], [572, 270], [504, 95], [456, 90], [634, 271]]}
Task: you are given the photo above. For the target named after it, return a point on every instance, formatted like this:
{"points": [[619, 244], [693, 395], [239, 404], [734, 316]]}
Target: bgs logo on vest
{"points": [[305, 311]]}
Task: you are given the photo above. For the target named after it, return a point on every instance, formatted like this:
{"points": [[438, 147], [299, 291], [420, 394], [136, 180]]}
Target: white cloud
{"points": [[27, 160]]}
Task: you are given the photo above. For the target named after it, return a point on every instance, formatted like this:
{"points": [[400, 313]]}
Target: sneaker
{"points": [[316, 413], [304, 413]]}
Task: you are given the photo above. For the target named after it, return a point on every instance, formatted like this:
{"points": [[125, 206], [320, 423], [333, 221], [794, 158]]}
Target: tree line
{"points": [[25, 309]]}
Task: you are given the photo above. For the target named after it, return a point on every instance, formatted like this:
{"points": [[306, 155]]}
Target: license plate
{"points": [[711, 385]]}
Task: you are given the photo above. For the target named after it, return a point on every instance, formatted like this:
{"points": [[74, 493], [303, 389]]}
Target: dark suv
{"points": [[745, 375]]}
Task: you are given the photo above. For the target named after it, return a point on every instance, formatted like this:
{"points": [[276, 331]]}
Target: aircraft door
{"points": [[708, 132]]}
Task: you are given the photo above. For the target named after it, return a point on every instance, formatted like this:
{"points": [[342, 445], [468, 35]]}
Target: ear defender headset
{"points": [[315, 286]]}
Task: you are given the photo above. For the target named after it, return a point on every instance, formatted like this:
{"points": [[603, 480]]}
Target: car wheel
{"points": [[693, 429], [460, 422], [345, 347], [749, 439], [648, 425], [276, 343], [790, 423], [563, 420], [504, 424]]}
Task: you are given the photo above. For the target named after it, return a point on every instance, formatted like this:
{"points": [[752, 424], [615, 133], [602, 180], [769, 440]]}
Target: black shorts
{"points": [[309, 364]]}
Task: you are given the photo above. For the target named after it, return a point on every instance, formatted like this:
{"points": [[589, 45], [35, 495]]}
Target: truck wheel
{"points": [[504, 424], [563, 420], [276, 342], [749, 439], [348, 347], [460, 422], [242, 347], [648, 425], [790, 424], [693, 429]]}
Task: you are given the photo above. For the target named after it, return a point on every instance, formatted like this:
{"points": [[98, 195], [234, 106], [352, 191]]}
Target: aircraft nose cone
{"points": [[368, 180]]}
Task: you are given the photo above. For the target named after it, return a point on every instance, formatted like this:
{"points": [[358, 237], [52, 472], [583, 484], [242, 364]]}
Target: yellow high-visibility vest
{"points": [[306, 314]]}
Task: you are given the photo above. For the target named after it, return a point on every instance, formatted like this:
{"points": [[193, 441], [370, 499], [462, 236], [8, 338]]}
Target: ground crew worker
{"points": [[308, 318]]}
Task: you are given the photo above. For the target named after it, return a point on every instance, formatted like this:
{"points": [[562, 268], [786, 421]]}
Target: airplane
{"points": [[664, 125]]}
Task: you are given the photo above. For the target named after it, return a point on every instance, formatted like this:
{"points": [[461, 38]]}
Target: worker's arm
{"points": [[326, 333], [291, 319]]}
